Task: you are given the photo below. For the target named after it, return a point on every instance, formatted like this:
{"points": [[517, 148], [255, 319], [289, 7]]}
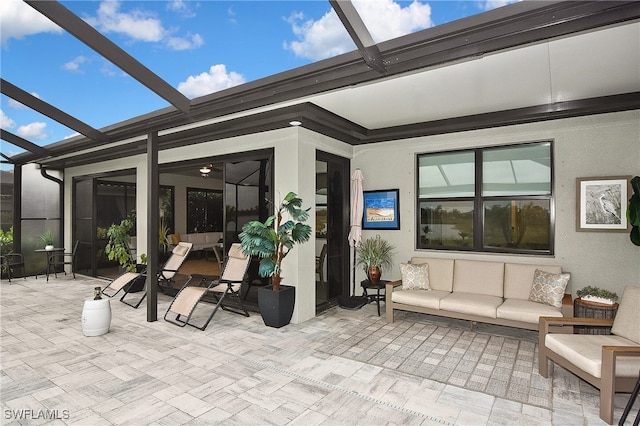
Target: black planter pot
{"points": [[276, 307]]}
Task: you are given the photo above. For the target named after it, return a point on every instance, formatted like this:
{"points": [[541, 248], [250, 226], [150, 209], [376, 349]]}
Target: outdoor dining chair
{"points": [[59, 259], [10, 262]]}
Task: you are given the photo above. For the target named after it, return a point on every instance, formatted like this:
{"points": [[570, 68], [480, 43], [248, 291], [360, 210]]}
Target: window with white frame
{"points": [[490, 199]]}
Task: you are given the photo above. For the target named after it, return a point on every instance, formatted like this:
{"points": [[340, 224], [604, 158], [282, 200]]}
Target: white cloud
{"points": [[6, 122], [142, 25], [74, 64], [208, 82], [181, 7], [385, 19], [185, 43], [138, 24], [18, 19], [33, 131]]}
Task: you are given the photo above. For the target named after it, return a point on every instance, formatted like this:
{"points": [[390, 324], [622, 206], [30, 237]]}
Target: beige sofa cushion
{"points": [[627, 322], [518, 278], [424, 298], [440, 272], [478, 277], [470, 303], [525, 311], [585, 352]]}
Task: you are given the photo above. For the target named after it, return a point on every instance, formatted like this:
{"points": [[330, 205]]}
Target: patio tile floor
{"points": [[238, 371]]}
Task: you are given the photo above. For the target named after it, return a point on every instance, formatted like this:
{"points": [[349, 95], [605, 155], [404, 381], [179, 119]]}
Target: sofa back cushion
{"points": [[627, 321], [518, 278], [440, 272], [479, 277]]}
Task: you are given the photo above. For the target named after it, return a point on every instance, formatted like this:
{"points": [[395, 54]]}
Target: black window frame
{"points": [[478, 201]]}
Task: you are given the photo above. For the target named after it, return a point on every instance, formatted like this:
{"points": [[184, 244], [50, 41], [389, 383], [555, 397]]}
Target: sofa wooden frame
{"points": [[608, 383]]}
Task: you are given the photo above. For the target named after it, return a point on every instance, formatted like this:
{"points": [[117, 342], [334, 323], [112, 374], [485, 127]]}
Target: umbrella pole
{"points": [[353, 281]]}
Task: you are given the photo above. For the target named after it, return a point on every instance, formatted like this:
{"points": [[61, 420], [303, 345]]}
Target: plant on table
{"points": [[47, 238], [273, 240], [597, 294], [375, 255]]}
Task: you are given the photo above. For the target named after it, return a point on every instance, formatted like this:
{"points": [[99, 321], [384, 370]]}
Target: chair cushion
{"points": [[585, 352], [440, 272], [519, 276], [415, 277], [627, 321], [525, 311], [480, 277], [471, 303], [426, 299], [548, 288]]}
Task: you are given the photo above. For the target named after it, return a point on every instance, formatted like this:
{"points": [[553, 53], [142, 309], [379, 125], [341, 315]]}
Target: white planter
{"points": [[48, 248], [598, 300]]}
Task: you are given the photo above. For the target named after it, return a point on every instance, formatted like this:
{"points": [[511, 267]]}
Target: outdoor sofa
{"points": [[200, 240], [502, 293]]}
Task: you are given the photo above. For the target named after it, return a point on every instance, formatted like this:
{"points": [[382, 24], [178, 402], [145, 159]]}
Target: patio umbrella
{"points": [[355, 236]]}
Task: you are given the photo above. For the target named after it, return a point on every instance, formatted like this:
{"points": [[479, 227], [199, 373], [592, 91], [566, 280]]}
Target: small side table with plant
{"points": [[594, 302]]}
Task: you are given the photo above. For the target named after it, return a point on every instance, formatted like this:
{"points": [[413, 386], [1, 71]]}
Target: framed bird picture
{"points": [[602, 204]]}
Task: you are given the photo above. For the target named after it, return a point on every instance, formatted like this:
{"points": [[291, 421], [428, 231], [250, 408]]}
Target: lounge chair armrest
{"points": [[545, 322], [392, 284]]}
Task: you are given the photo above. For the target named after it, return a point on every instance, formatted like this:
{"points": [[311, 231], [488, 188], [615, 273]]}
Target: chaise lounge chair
{"points": [[125, 281], [229, 285]]}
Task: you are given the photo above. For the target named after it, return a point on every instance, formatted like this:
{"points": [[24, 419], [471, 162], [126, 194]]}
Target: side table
{"points": [[368, 285], [588, 309]]}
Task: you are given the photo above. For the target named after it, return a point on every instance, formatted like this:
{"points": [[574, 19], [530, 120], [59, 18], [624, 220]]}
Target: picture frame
{"points": [[381, 209], [602, 204]]}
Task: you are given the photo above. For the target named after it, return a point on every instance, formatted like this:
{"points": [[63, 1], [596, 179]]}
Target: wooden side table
{"points": [[588, 309]]}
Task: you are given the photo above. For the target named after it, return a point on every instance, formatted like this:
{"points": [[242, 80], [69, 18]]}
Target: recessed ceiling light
{"points": [[295, 123], [205, 170]]}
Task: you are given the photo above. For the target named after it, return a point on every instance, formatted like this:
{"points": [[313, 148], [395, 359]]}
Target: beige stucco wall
{"points": [[600, 145]]}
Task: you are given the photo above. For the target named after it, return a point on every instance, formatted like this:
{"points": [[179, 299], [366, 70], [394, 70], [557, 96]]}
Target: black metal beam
{"points": [[537, 113], [92, 38], [49, 110], [359, 34], [153, 221], [24, 144], [511, 26]]}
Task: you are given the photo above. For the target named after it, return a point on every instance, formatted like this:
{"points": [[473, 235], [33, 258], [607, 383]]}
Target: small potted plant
{"points": [[272, 241], [375, 255], [48, 239], [597, 295]]}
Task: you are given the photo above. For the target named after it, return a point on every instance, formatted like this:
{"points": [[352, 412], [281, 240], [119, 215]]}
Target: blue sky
{"points": [[198, 47]]}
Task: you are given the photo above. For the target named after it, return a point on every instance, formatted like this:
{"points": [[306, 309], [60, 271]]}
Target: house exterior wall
{"points": [[593, 146], [600, 145]]}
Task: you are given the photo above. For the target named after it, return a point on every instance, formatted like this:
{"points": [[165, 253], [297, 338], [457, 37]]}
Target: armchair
{"points": [[10, 262], [611, 363]]}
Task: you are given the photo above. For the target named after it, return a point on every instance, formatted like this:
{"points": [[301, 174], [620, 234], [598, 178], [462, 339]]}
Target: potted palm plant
{"points": [[272, 241], [375, 255]]}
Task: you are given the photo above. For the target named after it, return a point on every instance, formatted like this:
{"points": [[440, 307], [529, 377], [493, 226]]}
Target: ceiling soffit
{"points": [[503, 28]]}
